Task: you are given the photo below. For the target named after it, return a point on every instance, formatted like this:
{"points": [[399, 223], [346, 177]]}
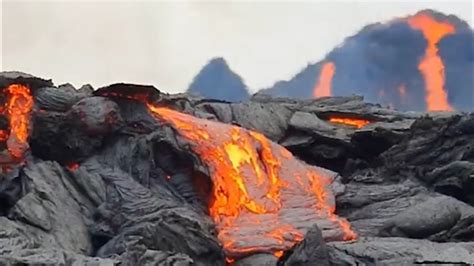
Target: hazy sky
{"points": [[166, 43]]}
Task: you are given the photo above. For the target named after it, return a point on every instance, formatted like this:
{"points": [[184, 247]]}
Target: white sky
{"points": [[166, 43]]}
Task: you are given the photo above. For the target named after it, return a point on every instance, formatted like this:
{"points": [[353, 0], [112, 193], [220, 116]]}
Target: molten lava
{"points": [[263, 199], [431, 66], [73, 166], [354, 122], [18, 109], [323, 87]]}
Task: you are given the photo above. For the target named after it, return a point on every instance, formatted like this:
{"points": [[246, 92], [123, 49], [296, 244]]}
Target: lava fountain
{"points": [[431, 66], [323, 86], [263, 199]]}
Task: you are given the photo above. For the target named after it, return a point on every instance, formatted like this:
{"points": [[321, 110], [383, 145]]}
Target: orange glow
{"points": [[402, 91], [73, 166], [254, 181], [18, 108], [355, 122], [229, 260], [431, 66], [3, 135], [323, 87], [278, 254]]}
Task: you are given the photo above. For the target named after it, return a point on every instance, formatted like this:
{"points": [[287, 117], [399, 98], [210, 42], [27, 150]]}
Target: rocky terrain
{"points": [[117, 176]]}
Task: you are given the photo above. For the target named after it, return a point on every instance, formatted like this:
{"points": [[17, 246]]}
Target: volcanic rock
{"points": [[257, 259], [125, 176], [399, 251], [38, 256], [14, 77], [311, 251]]}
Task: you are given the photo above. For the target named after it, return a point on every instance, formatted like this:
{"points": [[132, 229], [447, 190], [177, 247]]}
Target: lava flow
{"points": [[354, 122], [431, 66], [263, 199], [323, 87], [18, 108]]}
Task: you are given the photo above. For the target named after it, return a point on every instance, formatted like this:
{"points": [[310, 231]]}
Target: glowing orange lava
{"points": [[323, 87], [259, 189], [263, 198], [18, 109], [278, 253], [355, 122], [431, 66]]}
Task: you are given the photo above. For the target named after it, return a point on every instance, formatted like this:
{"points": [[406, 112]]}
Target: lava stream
{"points": [[431, 66], [264, 199], [323, 87]]}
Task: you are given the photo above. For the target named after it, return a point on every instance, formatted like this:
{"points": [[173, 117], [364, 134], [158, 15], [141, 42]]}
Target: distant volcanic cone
{"points": [[217, 81], [407, 63]]}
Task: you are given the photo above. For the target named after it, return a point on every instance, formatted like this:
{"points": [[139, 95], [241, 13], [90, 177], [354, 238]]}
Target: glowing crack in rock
{"points": [[353, 122]]}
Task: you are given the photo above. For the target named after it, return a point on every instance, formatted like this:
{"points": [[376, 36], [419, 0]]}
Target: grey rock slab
{"points": [[399, 251], [161, 258], [137, 216], [310, 123], [268, 119], [56, 99], [96, 115], [11, 77], [222, 111], [52, 191], [311, 251], [261, 259], [426, 218], [15, 236], [52, 257], [30, 208]]}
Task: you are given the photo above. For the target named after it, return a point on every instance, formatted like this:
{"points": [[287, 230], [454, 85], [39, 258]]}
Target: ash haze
{"points": [[166, 43]]}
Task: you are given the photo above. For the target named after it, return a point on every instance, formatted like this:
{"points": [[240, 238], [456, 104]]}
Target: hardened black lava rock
{"points": [[107, 184]]}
